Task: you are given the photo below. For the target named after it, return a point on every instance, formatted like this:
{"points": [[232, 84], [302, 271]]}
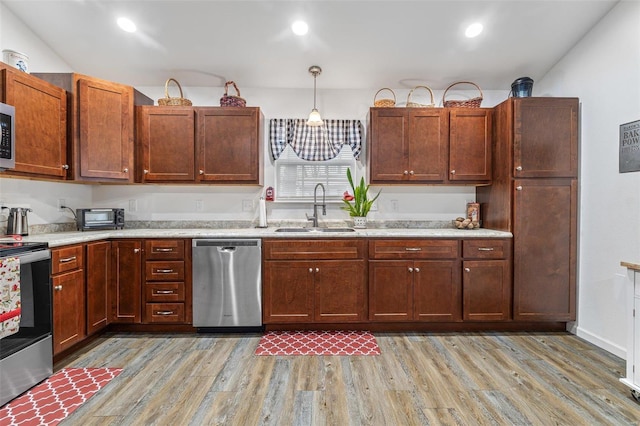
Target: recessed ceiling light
{"points": [[127, 24], [300, 28], [473, 30]]}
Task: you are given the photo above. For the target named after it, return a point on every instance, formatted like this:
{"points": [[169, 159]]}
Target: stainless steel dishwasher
{"points": [[227, 283]]}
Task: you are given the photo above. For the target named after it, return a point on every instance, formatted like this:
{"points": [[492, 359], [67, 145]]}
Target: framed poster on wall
{"points": [[630, 147]]}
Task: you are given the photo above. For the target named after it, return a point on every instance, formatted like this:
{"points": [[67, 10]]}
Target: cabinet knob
{"points": [[518, 188], [57, 287], [411, 172], [453, 172], [317, 269], [65, 166], [310, 270], [417, 269], [519, 168], [145, 171], [125, 170], [410, 269], [136, 250], [467, 270], [406, 172], [201, 172]]}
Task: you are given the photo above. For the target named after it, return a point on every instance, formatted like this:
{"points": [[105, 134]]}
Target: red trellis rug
{"points": [[54, 399], [318, 343]]}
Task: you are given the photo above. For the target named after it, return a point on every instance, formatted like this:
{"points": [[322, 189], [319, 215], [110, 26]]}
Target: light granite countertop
{"points": [[57, 239]]}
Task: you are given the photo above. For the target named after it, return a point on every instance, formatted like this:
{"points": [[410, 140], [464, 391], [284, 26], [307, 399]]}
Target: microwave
{"points": [[8, 141], [90, 219]]}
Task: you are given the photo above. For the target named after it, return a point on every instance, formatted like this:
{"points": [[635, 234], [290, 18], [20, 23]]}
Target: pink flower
{"points": [[346, 196]]}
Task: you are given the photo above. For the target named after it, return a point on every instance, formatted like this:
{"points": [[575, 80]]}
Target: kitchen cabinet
{"points": [[67, 275], [167, 288], [126, 279], [314, 281], [200, 144], [486, 280], [100, 126], [229, 145], [98, 277], [41, 124], [414, 280], [534, 196], [430, 145], [165, 144]]}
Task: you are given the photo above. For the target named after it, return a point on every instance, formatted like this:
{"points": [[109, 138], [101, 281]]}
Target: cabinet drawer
{"points": [[164, 312], [164, 249], [67, 259], [414, 249], [170, 270], [164, 292], [485, 249], [314, 249]]}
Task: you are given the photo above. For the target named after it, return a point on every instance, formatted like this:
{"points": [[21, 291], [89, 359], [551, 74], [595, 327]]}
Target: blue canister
{"points": [[522, 87]]}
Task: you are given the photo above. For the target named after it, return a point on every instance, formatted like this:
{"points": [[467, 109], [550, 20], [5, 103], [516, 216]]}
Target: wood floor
{"points": [[419, 379]]}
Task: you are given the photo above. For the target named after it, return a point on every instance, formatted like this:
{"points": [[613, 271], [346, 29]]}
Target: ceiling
{"points": [[359, 44]]}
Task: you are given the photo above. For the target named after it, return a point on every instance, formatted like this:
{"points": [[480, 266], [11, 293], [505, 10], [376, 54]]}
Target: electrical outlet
{"points": [[61, 202], [199, 205], [133, 205], [247, 205], [394, 205]]}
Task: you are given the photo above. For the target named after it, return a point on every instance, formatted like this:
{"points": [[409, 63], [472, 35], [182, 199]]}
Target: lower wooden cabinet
{"points": [[126, 281], [98, 276], [67, 269], [409, 290], [314, 281], [486, 280]]}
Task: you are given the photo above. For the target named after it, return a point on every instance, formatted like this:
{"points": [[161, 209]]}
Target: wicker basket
{"points": [[416, 104], [167, 100], [465, 103], [384, 103], [230, 100]]}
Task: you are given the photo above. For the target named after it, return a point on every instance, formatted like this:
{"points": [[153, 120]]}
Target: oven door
{"points": [[26, 357]]}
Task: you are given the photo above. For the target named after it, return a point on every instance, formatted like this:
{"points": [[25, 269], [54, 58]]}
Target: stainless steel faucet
{"points": [[314, 218]]}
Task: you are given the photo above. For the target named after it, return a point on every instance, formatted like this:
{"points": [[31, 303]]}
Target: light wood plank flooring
{"points": [[420, 379]]}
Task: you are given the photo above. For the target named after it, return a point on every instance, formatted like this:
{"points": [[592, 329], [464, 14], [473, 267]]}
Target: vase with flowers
{"points": [[358, 204]]}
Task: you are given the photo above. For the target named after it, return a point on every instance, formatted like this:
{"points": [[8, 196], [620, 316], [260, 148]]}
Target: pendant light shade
{"points": [[314, 117]]}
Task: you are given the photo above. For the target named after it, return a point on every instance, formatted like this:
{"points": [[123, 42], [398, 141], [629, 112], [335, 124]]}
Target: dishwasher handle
{"points": [[227, 249]]}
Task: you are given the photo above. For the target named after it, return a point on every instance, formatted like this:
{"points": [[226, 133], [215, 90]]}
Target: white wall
{"points": [[603, 70]]}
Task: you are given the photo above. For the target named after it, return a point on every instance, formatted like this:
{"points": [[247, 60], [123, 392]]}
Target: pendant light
{"points": [[314, 117]]}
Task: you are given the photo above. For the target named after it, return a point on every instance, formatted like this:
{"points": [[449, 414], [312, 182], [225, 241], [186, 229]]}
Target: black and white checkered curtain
{"points": [[315, 143]]}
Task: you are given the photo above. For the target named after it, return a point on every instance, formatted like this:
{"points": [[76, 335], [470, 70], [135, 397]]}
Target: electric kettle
{"points": [[17, 223]]}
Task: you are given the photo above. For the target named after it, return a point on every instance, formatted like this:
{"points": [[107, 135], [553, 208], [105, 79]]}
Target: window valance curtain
{"points": [[315, 143]]}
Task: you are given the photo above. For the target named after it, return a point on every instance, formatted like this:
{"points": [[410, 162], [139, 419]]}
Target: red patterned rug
{"points": [[54, 399], [318, 343]]}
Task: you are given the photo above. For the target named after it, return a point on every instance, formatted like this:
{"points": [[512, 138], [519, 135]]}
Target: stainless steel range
{"points": [[26, 356]]}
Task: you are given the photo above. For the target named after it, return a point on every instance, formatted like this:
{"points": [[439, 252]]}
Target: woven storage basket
{"points": [[465, 103], [384, 103], [416, 104], [230, 100], [167, 100]]}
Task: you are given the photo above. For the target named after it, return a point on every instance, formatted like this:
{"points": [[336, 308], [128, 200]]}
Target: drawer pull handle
{"points": [[164, 313], [413, 248], [68, 259], [164, 271], [164, 291], [164, 250], [485, 248], [57, 288]]}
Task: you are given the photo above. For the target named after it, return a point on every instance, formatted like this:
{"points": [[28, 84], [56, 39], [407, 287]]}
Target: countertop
{"points": [[629, 265], [65, 238]]}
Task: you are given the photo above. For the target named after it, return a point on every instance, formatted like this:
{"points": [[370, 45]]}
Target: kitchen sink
{"points": [[330, 230]]}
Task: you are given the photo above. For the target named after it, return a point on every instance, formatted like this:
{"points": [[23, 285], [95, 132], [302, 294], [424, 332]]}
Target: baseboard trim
{"points": [[605, 344]]}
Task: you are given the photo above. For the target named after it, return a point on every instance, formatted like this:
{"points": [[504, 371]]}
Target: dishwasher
{"points": [[227, 284]]}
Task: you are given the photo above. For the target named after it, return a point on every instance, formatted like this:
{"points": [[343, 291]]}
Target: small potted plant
{"points": [[358, 204]]}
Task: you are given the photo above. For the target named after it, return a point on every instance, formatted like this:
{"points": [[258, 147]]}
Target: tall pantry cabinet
{"points": [[534, 196]]}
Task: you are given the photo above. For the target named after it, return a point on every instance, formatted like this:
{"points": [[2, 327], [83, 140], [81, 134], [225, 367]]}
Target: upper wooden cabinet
{"points": [[430, 145], [101, 126], [200, 144], [41, 124], [545, 136]]}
